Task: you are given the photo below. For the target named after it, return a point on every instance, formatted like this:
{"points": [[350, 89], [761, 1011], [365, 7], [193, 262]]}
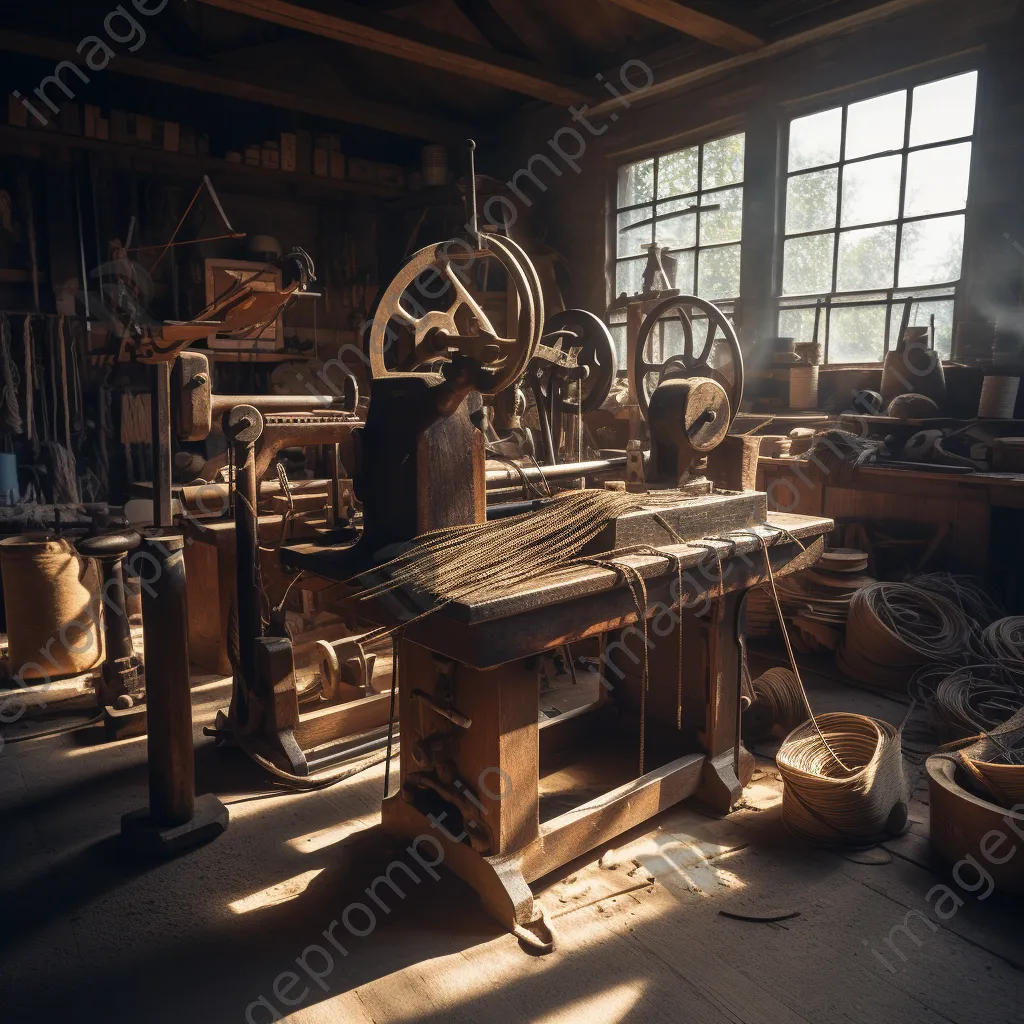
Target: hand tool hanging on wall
{"points": [[9, 411], [30, 230], [28, 377], [65, 403]]}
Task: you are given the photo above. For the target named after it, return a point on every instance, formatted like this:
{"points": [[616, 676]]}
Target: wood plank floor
{"points": [[223, 933]]}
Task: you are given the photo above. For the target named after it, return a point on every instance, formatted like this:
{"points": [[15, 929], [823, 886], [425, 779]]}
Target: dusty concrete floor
{"points": [[89, 935]]}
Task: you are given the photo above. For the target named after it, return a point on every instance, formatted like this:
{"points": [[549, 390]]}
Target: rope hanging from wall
{"points": [[10, 413]]}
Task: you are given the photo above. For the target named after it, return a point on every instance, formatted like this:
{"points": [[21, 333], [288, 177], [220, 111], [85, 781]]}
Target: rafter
{"points": [[346, 23], [695, 23], [528, 26], [216, 79]]}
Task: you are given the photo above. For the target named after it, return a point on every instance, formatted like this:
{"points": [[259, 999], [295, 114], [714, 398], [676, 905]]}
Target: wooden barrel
{"points": [[51, 597]]}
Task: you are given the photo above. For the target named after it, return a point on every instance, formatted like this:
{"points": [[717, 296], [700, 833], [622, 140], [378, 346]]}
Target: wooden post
{"points": [[174, 820], [171, 754]]}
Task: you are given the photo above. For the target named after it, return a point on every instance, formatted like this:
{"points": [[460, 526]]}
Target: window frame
{"points": [[895, 295], [697, 138]]}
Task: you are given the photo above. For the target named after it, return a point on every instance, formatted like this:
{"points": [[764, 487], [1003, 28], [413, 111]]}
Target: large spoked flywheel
{"points": [[435, 309], [648, 374], [587, 334]]}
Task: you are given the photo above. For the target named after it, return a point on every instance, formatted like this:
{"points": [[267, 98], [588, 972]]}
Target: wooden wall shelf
{"points": [[222, 356], [33, 143]]}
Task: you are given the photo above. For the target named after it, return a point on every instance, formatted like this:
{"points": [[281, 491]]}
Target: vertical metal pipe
{"points": [[117, 634], [161, 432], [245, 425], [334, 458], [168, 695]]}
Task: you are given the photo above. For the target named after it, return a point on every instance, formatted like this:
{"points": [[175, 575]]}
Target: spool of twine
{"points": [[1004, 640], [778, 702], [998, 397], [435, 165], [48, 592], [823, 801], [803, 387]]}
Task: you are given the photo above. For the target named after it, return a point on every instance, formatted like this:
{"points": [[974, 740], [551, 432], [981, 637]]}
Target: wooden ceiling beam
{"points": [[215, 78], [695, 23], [535, 33], [356, 26]]}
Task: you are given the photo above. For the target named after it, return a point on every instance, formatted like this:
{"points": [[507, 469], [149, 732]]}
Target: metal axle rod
{"points": [[506, 475]]}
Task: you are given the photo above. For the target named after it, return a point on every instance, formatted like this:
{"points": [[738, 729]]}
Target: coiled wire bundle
{"points": [[844, 780], [976, 699], [1003, 641], [843, 775], [778, 702], [968, 593], [894, 628]]}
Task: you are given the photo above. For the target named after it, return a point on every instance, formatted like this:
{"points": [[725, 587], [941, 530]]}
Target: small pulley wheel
{"points": [[686, 364], [436, 275], [596, 352]]}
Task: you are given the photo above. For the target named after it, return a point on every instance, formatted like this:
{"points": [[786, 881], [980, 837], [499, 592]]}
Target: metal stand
{"points": [[122, 690], [175, 820]]}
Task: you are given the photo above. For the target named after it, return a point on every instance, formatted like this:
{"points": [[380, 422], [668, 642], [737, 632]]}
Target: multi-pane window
{"points": [[690, 202], [876, 197]]}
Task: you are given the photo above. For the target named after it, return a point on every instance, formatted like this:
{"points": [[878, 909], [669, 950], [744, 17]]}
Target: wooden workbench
{"points": [[492, 629], [977, 510], [476, 658]]}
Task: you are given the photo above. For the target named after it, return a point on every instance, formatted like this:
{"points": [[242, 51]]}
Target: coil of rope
{"points": [[1003, 640], [968, 593], [977, 699], [777, 702], [894, 628], [825, 803], [843, 775]]}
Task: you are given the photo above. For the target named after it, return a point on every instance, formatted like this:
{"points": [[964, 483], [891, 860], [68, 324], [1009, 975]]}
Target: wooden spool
{"points": [[50, 595]]}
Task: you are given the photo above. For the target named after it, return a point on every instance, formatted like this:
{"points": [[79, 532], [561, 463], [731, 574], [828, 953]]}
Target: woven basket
{"points": [[822, 802]]}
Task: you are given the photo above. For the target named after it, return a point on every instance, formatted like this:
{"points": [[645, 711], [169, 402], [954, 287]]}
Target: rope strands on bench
{"points": [[457, 563]]}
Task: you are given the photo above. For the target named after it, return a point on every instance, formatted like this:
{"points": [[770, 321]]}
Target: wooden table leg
{"points": [[474, 789], [704, 702]]}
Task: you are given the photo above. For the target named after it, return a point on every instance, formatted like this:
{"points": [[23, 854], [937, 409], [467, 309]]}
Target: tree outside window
{"points": [[875, 208], [691, 202]]}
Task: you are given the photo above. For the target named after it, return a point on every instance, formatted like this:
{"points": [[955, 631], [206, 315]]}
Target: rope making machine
{"points": [[688, 400], [654, 575]]}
